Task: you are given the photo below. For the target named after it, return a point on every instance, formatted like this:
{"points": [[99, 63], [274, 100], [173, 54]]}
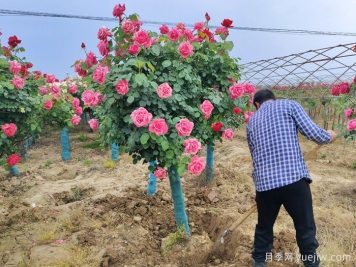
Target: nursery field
{"points": [[90, 211]]}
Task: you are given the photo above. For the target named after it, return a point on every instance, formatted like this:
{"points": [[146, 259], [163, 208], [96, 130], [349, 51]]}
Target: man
{"points": [[280, 174]]}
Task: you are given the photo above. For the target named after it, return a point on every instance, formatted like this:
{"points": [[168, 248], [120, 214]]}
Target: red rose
{"points": [[83, 45], [216, 126], [13, 159], [29, 65], [236, 110], [207, 17], [227, 23], [13, 41]]}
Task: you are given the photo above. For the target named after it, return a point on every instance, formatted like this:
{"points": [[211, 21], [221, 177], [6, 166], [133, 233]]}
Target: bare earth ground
{"points": [[91, 212]]}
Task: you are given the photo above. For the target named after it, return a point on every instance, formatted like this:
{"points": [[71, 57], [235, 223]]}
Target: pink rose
{"points": [[228, 134], [158, 126], [55, 89], [349, 112], [142, 38], [94, 124], [248, 115], [48, 104], [199, 25], [196, 165], [75, 102], [351, 125], [91, 98], [192, 146], [73, 88], [78, 110], [91, 59], [164, 29], [141, 117], [236, 90], [75, 120], [9, 129], [188, 35], [78, 68], [174, 34], [249, 88], [118, 11], [122, 87], [134, 49], [13, 159], [355, 79], [164, 90], [18, 82], [223, 32], [184, 127], [15, 67], [99, 74], [160, 173], [103, 48], [185, 49], [335, 90], [43, 90], [344, 88], [104, 33], [128, 26], [50, 78], [206, 107]]}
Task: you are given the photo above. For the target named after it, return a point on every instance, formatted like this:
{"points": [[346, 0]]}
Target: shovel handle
{"points": [[243, 218], [312, 152]]}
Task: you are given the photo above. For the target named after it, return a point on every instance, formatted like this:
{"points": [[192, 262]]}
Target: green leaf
{"points": [[149, 64], [130, 99], [165, 145], [166, 63], [140, 64], [169, 154], [156, 50], [178, 97], [109, 102], [144, 138], [84, 65], [33, 127], [140, 78], [181, 169], [229, 45]]}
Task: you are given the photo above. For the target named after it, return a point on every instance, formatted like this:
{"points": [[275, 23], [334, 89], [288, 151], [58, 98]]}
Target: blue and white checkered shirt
{"points": [[272, 135]]}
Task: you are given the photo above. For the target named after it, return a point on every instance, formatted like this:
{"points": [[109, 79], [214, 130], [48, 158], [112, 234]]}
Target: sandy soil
{"points": [[90, 212]]}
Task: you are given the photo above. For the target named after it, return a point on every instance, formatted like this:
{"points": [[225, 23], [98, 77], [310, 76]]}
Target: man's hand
{"points": [[333, 135]]}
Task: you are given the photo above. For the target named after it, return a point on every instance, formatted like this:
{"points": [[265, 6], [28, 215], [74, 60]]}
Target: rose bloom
{"points": [[188, 35], [13, 159], [344, 88], [91, 98], [128, 26], [99, 74], [236, 110], [185, 49], [15, 67], [351, 125], [9, 129], [174, 34], [142, 38], [122, 87], [141, 117], [248, 115], [236, 90], [164, 29], [160, 173], [134, 49], [349, 112], [91, 59], [78, 110], [196, 165], [75, 120], [355, 79], [335, 90], [158, 126], [78, 68], [227, 23], [206, 107], [223, 32], [198, 25], [48, 104], [228, 134], [94, 124], [55, 89], [164, 90], [103, 48], [249, 88], [118, 11], [73, 88], [75, 102], [50, 78], [216, 126], [104, 33], [184, 127], [192, 146], [43, 90], [18, 82], [13, 41]]}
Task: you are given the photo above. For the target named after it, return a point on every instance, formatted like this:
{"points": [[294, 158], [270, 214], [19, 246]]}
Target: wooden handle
{"points": [[312, 152], [243, 217]]}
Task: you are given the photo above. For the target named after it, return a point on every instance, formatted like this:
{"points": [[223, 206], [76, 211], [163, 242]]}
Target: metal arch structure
{"points": [[320, 68]]}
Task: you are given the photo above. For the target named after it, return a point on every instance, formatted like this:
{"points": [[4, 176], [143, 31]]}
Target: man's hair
{"points": [[262, 96]]}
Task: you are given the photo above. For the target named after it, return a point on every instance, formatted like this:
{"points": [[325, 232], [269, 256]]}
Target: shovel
{"points": [[247, 214]]}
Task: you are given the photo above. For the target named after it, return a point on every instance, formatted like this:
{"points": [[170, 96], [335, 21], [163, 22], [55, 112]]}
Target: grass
{"points": [[87, 162], [110, 164], [176, 237], [82, 137], [47, 237], [77, 193], [93, 145], [48, 163]]}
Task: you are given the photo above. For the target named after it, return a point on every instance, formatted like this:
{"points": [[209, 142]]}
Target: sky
{"points": [[53, 44]]}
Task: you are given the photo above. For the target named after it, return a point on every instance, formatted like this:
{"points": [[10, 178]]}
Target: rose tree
{"points": [[165, 95]]}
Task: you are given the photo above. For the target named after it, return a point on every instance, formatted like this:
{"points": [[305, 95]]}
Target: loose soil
{"points": [[89, 211]]}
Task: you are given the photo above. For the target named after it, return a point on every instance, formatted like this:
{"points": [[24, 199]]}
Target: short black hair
{"points": [[262, 96]]}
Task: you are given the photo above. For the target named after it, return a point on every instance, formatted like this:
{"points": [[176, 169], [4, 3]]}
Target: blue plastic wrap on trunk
{"points": [[152, 182], [65, 143], [209, 161], [114, 152], [14, 170], [178, 199]]}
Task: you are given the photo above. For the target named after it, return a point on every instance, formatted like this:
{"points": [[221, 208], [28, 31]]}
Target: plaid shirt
{"points": [[272, 135]]}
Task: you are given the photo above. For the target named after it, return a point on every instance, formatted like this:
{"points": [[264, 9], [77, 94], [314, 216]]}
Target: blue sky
{"points": [[53, 44]]}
